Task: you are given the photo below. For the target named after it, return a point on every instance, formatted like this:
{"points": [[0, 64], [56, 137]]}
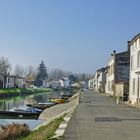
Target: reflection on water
{"points": [[21, 101]]}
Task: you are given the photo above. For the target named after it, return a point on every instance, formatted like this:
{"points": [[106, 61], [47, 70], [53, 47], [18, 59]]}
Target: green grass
{"points": [[44, 132], [17, 91]]}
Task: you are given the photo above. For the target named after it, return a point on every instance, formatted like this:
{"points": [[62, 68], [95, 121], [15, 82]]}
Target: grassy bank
{"points": [[17, 91], [44, 132]]}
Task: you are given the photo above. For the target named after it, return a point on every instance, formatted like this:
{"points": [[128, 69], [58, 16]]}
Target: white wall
{"points": [[133, 88], [110, 77]]}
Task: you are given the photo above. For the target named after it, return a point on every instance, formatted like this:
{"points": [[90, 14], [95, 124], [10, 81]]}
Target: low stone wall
{"points": [[59, 110]]}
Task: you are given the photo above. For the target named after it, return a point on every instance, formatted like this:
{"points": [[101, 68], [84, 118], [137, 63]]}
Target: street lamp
{"points": [[138, 73]]}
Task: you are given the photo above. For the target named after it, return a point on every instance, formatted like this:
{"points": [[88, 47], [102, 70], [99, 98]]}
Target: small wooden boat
{"points": [[66, 96], [58, 100], [48, 104], [41, 106], [30, 109], [18, 115]]}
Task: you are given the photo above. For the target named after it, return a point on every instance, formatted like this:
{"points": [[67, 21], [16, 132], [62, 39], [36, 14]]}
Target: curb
{"points": [[69, 111], [61, 129]]}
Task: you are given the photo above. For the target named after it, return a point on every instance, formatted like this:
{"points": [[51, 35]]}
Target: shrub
{"points": [[13, 131]]}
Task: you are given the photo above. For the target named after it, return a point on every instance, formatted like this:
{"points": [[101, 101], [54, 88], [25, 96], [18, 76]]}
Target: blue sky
{"points": [[73, 35]]}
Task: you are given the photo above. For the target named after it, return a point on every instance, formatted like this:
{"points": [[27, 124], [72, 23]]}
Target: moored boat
{"points": [[58, 100], [41, 106], [18, 115], [29, 109]]}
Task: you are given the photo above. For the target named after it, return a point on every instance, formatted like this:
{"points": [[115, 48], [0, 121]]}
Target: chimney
{"points": [[128, 45], [114, 51]]}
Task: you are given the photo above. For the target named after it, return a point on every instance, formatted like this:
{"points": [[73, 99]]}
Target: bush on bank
{"points": [[22, 131], [13, 131]]}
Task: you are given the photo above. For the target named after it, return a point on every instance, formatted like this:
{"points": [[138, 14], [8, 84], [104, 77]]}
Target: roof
{"points": [[102, 69], [133, 39]]}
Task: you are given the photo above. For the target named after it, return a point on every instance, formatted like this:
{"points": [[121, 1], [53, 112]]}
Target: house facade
{"points": [[134, 89], [90, 84], [9, 81], [100, 80], [20, 82], [2, 81], [117, 71]]}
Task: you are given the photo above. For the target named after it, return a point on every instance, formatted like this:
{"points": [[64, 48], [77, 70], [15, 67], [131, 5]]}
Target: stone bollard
{"points": [[117, 100]]}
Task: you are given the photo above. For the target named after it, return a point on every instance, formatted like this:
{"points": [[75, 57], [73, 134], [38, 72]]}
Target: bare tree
{"points": [[20, 71], [56, 74], [31, 73], [5, 66]]}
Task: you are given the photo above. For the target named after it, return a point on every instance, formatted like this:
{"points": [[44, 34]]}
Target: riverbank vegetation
{"points": [[13, 131], [10, 92], [44, 132]]}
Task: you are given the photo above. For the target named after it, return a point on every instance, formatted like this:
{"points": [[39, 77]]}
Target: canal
{"points": [[20, 103]]}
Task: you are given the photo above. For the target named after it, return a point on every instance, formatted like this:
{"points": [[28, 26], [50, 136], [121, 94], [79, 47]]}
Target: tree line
{"points": [[40, 73]]}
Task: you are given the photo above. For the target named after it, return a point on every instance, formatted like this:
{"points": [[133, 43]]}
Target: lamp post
{"points": [[138, 73]]}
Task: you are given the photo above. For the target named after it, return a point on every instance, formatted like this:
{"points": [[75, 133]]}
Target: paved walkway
{"points": [[99, 118]]}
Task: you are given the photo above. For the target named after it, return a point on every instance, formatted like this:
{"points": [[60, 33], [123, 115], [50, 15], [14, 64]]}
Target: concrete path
{"points": [[98, 117]]}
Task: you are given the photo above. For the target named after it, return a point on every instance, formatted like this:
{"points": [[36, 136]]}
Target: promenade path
{"points": [[98, 117]]}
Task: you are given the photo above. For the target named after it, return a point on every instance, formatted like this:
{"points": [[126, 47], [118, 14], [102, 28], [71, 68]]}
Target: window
{"points": [[108, 85], [131, 62], [133, 86], [136, 44], [138, 59]]}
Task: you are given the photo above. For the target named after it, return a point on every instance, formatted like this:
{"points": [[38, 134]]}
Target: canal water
{"points": [[20, 103]]}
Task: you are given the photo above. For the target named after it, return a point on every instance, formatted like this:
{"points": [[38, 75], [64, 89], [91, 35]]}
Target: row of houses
{"points": [[64, 82], [10, 81], [121, 76]]}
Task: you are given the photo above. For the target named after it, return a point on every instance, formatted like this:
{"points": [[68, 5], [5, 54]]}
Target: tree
{"points": [[31, 74], [41, 75], [4, 65], [57, 74], [20, 71], [72, 78]]}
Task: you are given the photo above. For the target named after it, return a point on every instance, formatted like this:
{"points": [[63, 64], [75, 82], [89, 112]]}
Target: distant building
{"points": [[65, 82], [11, 81], [90, 83], [134, 90], [20, 82], [101, 80], [2, 81]]}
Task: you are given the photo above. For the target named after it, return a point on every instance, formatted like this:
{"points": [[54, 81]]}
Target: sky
{"points": [[73, 35]]}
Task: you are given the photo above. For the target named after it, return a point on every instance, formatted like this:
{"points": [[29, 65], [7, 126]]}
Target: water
{"points": [[20, 102]]}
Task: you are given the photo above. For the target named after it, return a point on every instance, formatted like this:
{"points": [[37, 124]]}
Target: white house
{"points": [[101, 80], [90, 84], [9, 81], [110, 75], [65, 82], [134, 88], [20, 82]]}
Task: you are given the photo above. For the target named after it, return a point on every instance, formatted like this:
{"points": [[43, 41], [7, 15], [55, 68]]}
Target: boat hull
{"points": [[18, 115], [41, 106]]}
